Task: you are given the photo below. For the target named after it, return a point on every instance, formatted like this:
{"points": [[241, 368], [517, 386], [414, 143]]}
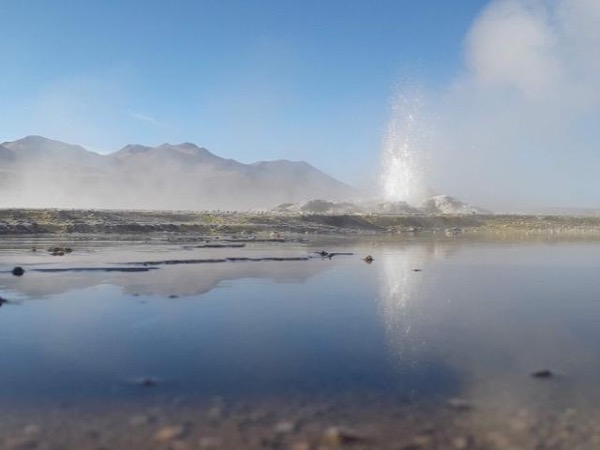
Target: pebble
{"points": [[460, 443], [542, 374], [341, 436], [422, 441], [21, 443], [301, 446], [147, 382], [285, 427], [137, 421], [179, 445], [31, 430], [499, 441], [18, 271], [210, 442], [258, 415], [155, 412], [518, 424], [215, 413], [169, 433], [458, 404]]}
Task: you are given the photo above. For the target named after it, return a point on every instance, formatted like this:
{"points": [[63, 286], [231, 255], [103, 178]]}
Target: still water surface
{"points": [[427, 320]]}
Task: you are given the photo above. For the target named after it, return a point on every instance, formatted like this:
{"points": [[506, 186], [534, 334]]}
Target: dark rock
{"points": [[139, 420], [18, 271], [458, 404], [59, 251], [169, 433], [545, 373], [210, 442], [147, 382], [368, 259], [21, 443], [339, 436], [285, 427], [455, 231]]}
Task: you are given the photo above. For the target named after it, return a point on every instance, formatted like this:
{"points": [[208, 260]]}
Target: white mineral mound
{"points": [[439, 204], [444, 204]]}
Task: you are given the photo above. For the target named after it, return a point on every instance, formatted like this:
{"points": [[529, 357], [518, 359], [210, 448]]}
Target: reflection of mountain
{"points": [[181, 280], [39, 172]]}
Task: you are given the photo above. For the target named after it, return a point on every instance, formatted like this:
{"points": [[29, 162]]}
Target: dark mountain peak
{"points": [[40, 143], [186, 148], [133, 149], [33, 139], [39, 148], [187, 156]]}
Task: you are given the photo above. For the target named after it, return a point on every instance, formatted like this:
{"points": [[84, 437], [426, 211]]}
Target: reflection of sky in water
{"points": [[474, 323], [496, 313]]}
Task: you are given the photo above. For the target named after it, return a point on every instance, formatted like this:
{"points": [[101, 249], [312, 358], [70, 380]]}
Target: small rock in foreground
{"points": [[542, 374], [147, 382], [458, 404], [210, 442], [285, 427], [140, 420], [169, 433], [340, 436]]}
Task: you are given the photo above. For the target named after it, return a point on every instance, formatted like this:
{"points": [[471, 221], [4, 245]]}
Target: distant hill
{"points": [[40, 172]]}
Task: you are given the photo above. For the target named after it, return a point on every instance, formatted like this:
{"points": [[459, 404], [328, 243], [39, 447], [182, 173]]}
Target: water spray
{"points": [[404, 143]]}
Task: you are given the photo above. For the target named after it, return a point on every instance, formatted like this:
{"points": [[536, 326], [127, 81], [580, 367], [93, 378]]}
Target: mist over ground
{"points": [[517, 131], [37, 172]]}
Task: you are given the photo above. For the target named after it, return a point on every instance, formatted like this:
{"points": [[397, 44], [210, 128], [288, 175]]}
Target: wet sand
{"points": [[357, 423]]}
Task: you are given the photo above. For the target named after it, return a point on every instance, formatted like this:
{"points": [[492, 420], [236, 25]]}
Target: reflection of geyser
{"points": [[402, 290]]}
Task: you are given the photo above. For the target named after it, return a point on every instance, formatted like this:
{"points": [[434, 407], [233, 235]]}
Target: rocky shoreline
{"points": [[296, 425], [56, 221]]}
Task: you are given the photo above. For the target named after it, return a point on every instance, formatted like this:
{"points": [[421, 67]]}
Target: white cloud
{"points": [[512, 44], [519, 124]]}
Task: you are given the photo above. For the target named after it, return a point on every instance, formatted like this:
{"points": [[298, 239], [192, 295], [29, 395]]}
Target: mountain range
{"points": [[40, 172]]}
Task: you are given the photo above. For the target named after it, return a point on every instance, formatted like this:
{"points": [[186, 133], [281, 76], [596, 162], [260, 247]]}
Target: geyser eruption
{"points": [[402, 177]]}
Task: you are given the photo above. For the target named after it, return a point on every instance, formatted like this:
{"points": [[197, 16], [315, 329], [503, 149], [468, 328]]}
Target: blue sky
{"points": [[250, 80], [507, 91]]}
